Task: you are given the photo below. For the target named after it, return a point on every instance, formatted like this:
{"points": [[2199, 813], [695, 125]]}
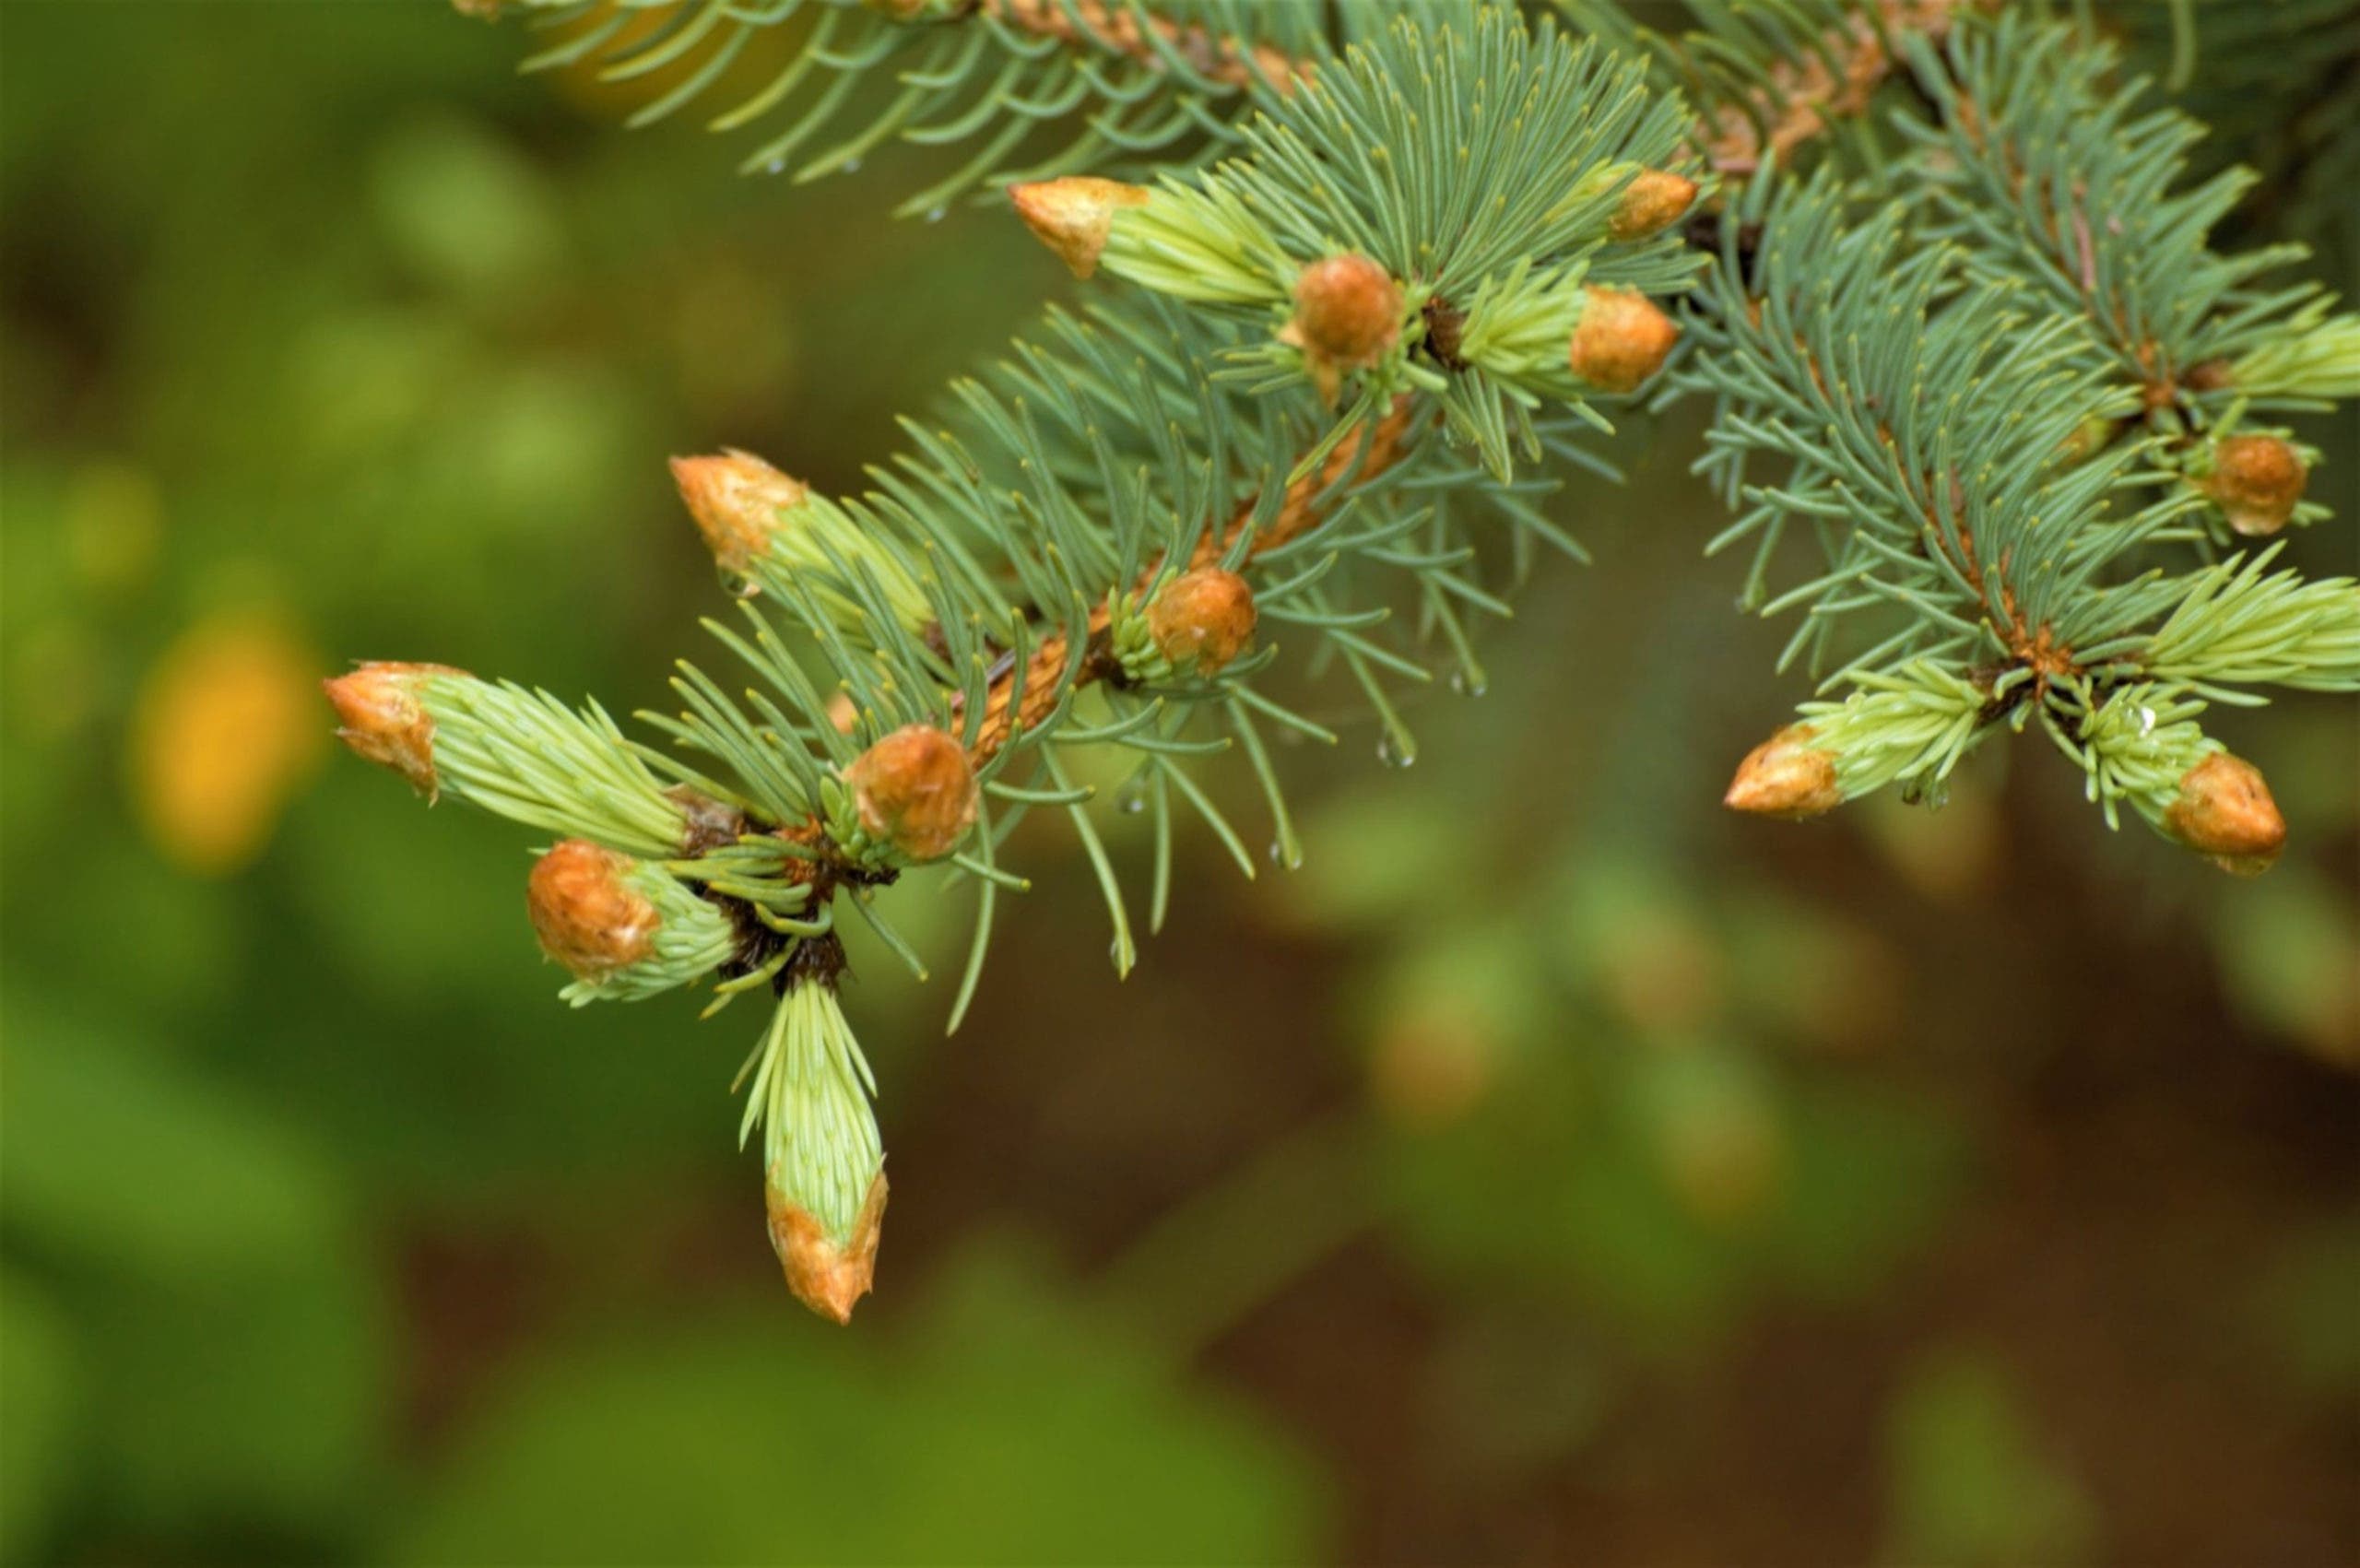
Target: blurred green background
{"points": [[1554, 1170]]}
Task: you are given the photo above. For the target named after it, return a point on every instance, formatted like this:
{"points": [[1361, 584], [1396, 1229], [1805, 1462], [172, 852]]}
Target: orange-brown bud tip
{"points": [[386, 720], [587, 917], [1347, 309], [1786, 776], [1651, 204], [736, 499], [2257, 481], [1202, 619], [1073, 216], [825, 1276], [1622, 338], [843, 713], [916, 790], [2224, 811]]}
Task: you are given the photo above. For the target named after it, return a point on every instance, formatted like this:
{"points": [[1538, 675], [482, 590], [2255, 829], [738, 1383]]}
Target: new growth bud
{"points": [[2224, 810], [586, 916], [1651, 204], [385, 717], [1073, 216], [1347, 315], [1786, 776], [1621, 339], [915, 791], [736, 499], [826, 1275], [823, 1171], [1202, 619], [2257, 481]]}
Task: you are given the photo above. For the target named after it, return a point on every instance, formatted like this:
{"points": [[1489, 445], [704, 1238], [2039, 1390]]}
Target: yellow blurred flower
{"points": [[225, 728]]}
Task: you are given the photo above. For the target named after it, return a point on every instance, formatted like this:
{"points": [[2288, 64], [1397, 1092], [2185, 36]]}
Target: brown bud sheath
{"points": [[1348, 309], [1622, 338], [2256, 481], [586, 914], [1202, 619], [1651, 204], [386, 720], [1073, 216], [825, 1277], [914, 790], [736, 499], [2224, 811], [1786, 776]]}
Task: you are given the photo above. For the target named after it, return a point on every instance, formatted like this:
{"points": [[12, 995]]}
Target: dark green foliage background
{"points": [[1556, 1169]]}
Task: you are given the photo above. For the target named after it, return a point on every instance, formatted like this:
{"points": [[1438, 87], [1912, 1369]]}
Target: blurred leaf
{"points": [[999, 1427], [2287, 945], [1972, 1481], [133, 1162], [36, 1413], [2308, 1305], [463, 209], [256, 1396]]}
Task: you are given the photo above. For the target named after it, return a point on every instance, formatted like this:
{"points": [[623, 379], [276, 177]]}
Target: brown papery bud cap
{"points": [[2224, 811], [1786, 776], [736, 499], [1202, 619], [2256, 480], [1651, 204], [385, 720], [1622, 338], [826, 1275], [586, 916], [1347, 309], [916, 790], [1074, 215]]}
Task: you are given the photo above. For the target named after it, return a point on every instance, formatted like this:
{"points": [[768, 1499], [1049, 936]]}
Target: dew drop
{"points": [[775, 166], [1281, 856], [852, 166], [936, 214], [1394, 756], [1467, 685], [2146, 720], [737, 584], [1131, 799]]}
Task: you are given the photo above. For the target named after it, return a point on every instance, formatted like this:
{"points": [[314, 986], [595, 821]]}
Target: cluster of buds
{"points": [[1196, 624], [910, 797], [1347, 318], [2224, 810], [1786, 775], [768, 530], [623, 928], [2256, 480], [1621, 339]]}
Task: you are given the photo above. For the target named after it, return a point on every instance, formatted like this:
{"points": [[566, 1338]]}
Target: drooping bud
{"points": [[1621, 339], [823, 1169], [736, 499], [1786, 776], [1074, 215], [587, 918], [2224, 810], [386, 719], [1346, 313], [2257, 481], [1202, 619], [826, 1275], [1651, 204], [915, 791]]}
